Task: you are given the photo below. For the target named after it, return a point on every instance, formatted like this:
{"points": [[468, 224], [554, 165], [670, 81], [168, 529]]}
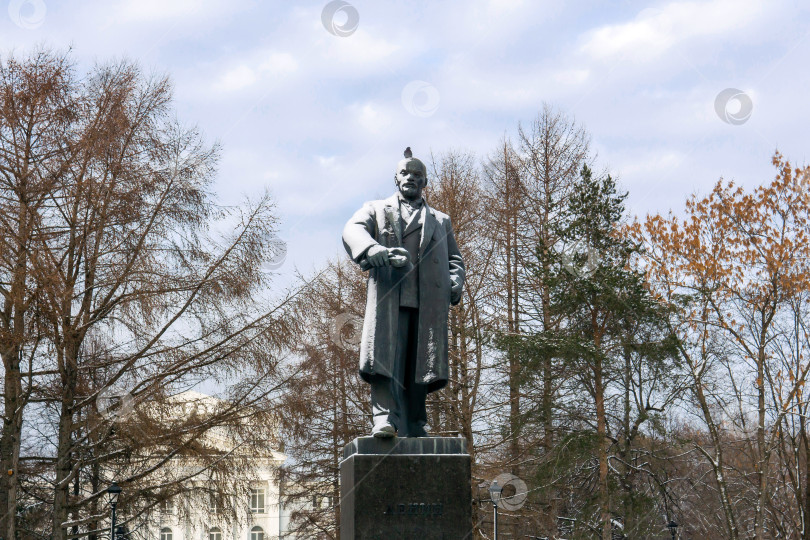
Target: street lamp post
{"points": [[494, 495], [112, 497], [673, 528]]}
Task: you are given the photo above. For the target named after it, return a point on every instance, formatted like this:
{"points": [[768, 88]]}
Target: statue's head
{"points": [[411, 176]]}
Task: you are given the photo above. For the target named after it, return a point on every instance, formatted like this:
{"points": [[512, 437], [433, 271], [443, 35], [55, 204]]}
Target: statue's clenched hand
{"points": [[377, 256], [398, 257], [455, 291]]}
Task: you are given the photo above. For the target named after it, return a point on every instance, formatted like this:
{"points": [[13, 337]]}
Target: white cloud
{"points": [[372, 117], [265, 64], [279, 63], [361, 49], [504, 6], [326, 162], [160, 10], [237, 78], [650, 165], [571, 77], [284, 95], [654, 31]]}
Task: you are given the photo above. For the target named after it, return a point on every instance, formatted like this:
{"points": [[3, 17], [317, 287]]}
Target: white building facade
{"points": [[193, 515]]}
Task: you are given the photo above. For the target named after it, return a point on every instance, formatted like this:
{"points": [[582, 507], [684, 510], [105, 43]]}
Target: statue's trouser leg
{"points": [[384, 404], [387, 394], [413, 414], [399, 400]]}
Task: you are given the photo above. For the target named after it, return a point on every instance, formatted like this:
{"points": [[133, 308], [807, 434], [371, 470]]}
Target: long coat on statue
{"points": [[440, 264]]}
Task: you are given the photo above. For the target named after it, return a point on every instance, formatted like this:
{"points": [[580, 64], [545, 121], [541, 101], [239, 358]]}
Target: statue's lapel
{"points": [[392, 217], [428, 221]]}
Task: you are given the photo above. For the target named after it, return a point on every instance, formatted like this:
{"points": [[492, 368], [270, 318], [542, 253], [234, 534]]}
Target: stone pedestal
{"points": [[405, 489]]}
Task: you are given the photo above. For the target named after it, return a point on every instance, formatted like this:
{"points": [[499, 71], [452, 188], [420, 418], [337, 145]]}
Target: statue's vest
{"points": [[409, 287]]}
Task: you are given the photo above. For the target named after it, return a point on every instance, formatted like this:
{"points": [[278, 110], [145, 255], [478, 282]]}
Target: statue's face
{"points": [[410, 179]]}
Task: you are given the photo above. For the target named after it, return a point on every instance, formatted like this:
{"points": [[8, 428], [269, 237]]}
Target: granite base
{"points": [[405, 489]]}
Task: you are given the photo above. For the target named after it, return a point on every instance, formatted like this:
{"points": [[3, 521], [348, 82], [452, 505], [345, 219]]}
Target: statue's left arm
{"points": [[457, 271]]}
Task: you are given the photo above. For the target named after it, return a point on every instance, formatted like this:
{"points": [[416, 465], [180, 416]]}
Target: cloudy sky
{"points": [[316, 100]]}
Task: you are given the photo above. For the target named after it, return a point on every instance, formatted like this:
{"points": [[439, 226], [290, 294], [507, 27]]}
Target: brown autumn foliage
{"points": [[115, 280], [326, 404], [737, 264]]}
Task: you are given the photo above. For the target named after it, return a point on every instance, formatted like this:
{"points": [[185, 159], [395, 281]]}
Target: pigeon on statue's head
{"points": [[409, 159]]}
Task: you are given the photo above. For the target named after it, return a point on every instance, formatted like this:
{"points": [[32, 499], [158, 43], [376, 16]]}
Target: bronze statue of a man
{"points": [[415, 273]]}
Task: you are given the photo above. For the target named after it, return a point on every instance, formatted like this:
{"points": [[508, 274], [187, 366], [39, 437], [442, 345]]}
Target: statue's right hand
{"points": [[377, 256], [398, 257]]}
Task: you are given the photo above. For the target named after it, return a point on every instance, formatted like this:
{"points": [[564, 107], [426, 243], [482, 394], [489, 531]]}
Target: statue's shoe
{"points": [[418, 431], [384, 431]]}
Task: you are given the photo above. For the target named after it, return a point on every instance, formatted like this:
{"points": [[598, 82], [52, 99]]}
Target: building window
{"points": [[257, 501], [167, 508], [214, 505], [319, 501], [256, 533], [165, 533], [214, 534]]}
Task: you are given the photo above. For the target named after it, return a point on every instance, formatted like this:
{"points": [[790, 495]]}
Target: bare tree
{"points": [[327, 404], [135, 285], [456, 189], [35, 110], [528, 182], [739, 263]]}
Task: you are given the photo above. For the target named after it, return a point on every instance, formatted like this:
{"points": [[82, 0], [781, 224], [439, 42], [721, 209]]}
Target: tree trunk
{"points": [[10, 443], [717, 462], [602, 451], [13, 323], [513, 312], [64, 461], [626, 480], [762, 457], [806, 502], [550, 517]]}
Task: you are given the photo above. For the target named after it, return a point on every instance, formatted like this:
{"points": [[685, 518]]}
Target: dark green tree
{"points": [[612, 347]]}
